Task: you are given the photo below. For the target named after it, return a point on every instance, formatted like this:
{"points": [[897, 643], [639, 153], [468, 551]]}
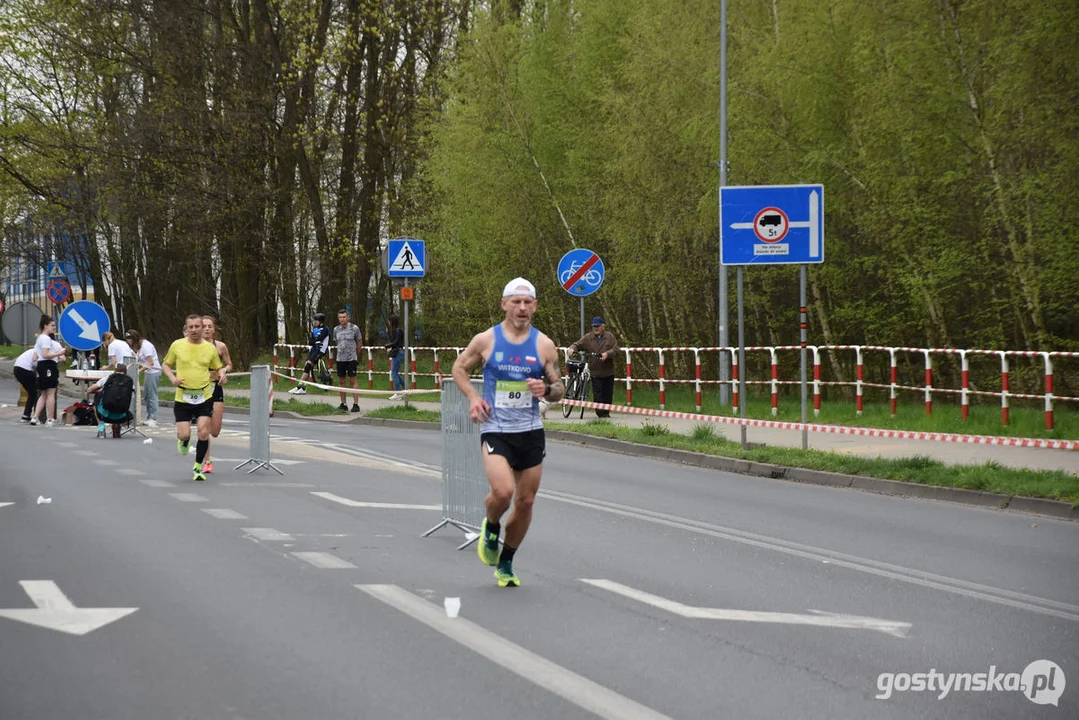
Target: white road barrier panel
{"points": [[464, 483], [259, 447]]}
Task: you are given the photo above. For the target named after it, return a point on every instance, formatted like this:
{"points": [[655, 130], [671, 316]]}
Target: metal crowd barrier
{"points": [[259, 438], [464, 483]]}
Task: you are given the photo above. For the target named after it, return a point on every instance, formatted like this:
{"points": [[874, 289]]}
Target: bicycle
{"points": [[578, 383], [321, 371]]}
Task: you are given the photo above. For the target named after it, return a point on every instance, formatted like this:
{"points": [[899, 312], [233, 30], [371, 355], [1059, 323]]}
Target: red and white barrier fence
{"points": [[297, 353], [839, 429]]}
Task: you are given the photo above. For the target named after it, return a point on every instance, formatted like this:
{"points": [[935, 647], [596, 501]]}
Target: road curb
{"points": [[898, 488], [1034, 506]]}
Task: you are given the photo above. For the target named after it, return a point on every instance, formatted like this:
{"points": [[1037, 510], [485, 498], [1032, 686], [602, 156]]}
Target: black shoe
{"points": [[355, 407], [26, 418], [342, 406]]}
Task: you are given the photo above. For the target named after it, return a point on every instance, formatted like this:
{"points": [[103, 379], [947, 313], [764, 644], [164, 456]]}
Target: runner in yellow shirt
{"points": [[193, 359]]}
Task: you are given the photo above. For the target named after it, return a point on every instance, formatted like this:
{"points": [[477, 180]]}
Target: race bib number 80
{"points": [[512, 394]]}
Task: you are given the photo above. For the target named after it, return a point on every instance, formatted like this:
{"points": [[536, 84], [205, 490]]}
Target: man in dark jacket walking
{"points": [[601, 365]]}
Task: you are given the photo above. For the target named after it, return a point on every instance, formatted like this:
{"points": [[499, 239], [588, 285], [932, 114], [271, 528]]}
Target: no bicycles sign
{"points": [[580, 272]]}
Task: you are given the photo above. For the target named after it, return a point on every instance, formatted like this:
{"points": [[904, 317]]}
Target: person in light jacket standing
{"points": [[604, 345], [150, 366]]}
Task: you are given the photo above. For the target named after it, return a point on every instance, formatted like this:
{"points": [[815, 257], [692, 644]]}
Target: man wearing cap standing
{"points": [[603, 347], [520, 366]]}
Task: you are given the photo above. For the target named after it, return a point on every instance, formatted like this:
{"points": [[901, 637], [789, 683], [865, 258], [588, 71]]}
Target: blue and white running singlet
{"points": [[513, 409]]}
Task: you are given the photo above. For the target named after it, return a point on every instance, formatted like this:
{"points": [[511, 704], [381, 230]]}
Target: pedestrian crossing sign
{"points": [[408, 258]]}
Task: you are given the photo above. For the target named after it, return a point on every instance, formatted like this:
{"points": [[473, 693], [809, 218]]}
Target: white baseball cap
{"points": [[519, 286]]}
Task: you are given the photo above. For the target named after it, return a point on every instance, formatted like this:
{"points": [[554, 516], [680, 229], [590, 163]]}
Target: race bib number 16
{"points": [[512, 394]]}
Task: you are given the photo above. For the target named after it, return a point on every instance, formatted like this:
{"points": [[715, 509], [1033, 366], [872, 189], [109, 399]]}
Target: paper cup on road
{"points": [[42, 500], [453, 606], [148, 441]]}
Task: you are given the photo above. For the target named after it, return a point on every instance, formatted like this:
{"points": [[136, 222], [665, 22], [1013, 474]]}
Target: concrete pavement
{"points": [[248, 605]]}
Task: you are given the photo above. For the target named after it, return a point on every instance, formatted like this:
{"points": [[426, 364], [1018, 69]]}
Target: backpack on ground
{"points": [[117, 393]]}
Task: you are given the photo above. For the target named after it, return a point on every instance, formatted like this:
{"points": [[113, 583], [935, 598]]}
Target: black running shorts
{"points": [[188, 413], [522, 450], [219, 394], [346, 368]]}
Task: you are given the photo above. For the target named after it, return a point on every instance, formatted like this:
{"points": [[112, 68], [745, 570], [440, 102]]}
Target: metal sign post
{"points": [[406, 295], [802, 323], [259, 442], [742, 399]]}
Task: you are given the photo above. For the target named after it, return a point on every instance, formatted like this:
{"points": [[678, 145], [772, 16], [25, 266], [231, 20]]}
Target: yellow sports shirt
{"points": [[192, 363]]}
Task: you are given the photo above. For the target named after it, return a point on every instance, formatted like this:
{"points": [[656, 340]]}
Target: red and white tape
{"points": [[840, 429]]}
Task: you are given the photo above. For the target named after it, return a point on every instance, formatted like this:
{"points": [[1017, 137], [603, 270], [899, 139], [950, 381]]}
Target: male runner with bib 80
{"points": [[520, 366]]}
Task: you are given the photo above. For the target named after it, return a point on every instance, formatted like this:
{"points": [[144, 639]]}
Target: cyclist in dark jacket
{"points": [[604, 347], [320, 345]]}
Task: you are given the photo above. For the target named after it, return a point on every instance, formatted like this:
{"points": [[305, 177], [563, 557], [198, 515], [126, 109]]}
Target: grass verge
{"points": [[989, 477], [307, 409], [400, 412], [11, 351]]}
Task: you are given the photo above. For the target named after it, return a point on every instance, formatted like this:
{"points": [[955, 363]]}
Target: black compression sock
{"points": [[507, 554], [493, 528], [201, 448]]}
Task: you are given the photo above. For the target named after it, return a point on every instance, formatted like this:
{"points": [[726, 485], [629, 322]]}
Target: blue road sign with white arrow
{"points": [[407, 258], [82, 324], [771, 225]]}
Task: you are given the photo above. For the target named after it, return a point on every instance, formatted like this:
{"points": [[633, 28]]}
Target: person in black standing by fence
{"points": [[396, 351], [604, 345]]}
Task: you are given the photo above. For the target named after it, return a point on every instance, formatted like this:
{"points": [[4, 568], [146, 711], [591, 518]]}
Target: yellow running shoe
{"points": [[199, 476], [504, 575], [487, 546], [183, 447]]}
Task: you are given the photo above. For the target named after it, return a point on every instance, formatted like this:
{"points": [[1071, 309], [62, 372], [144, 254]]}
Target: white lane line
{"points": [[965, 588], [324, 561], [107, 463], [68, 444], [817, 618], [579, 690], [157, 483], [268, 534], [189, 497], [224, 514], [384, 506], [267, 484], [6, 504], [130, 471]]}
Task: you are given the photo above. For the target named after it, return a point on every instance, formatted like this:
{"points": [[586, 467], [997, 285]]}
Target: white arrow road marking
{"points": [[582, 692], [815, 617], [384, 506], [6, 504], [89, 330], [55, 612]]}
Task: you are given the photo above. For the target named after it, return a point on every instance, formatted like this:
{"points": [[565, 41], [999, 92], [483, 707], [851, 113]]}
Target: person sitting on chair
{"points": [[113, 405]]}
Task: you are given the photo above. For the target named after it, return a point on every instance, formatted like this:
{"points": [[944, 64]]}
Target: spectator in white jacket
{"points": [[150, 367]]}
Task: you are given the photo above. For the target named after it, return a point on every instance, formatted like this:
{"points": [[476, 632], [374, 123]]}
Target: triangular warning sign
{"points": [[407, 260]]}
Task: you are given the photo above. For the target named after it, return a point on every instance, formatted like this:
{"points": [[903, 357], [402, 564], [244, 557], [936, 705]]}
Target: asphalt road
{"points": [[257, 598]]}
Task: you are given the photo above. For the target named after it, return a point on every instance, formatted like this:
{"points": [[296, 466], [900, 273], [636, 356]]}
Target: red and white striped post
{"points": [[858, 378], [332, 355], [629, 378], [438, 371], [697, 370], [1048, 391], [370, 370], [412, 366], [273, 381], [292, 364], [964, 397], [893, 393], [734, 381], [928, 383], [816, 381], [662, 384], [1005, 388], [775, 382]]}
